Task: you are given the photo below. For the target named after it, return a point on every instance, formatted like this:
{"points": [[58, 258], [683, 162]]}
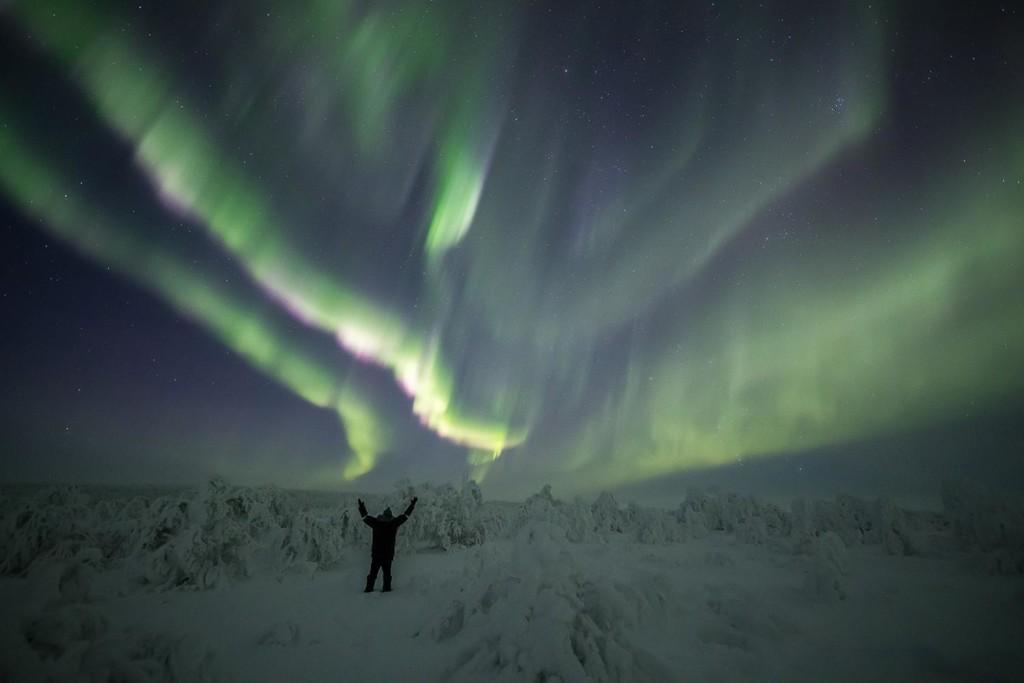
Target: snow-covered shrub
{"points": [[318, 542], [983, 519], [541, 509], [653, 526], [165, 519], [892, 530], [912, 532], [444, 517], [498, 519], [233, 525], [777, 522], [636, 523], [853, 519], [735, 511], [56, 523], [695, 523], [826, 571], [709, 507], [825, 515], [460, 520], [233, 532], [607, 515], [750, 519], [986, 522], [602, 520], [580, 519], [750, 530], [859, 523], [800, 517]]}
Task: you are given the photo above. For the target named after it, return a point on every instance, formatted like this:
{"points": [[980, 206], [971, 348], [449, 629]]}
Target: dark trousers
{"points": [[376, 564]]}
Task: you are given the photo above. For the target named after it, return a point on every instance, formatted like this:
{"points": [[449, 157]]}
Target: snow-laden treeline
{"points": [[198, 539]]}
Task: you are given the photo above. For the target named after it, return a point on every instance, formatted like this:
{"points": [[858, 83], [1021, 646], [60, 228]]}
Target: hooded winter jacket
{"points": [[385, 529]]}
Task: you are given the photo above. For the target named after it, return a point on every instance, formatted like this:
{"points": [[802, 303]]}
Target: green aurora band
{"points": [[130, 92], [812, 346], [795, 358]]}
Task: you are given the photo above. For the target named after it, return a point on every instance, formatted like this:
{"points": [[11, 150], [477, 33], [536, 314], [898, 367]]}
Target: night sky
{"points": [[772, 245]]}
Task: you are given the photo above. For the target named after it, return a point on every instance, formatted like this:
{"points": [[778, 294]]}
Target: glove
{"points": [[412, 504], [362, 507]]}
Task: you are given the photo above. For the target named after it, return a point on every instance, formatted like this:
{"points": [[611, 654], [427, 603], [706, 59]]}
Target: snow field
{"points": [[235, 583]]}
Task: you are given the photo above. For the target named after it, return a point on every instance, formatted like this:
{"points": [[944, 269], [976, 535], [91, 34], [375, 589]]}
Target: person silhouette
{"points": [[382, 552]]}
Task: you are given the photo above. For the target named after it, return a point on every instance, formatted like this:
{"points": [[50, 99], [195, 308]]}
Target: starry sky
{"points": [[603, 245]]}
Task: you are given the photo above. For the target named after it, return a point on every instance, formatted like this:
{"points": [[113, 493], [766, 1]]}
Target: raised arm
{"points": [[408, 511], [367, 519]]}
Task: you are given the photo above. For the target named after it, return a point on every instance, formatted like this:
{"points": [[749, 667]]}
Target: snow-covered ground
{"points": [[233, 583]]}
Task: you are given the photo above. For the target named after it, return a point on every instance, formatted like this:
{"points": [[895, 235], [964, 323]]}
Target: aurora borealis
{"points": [[592, 245]]}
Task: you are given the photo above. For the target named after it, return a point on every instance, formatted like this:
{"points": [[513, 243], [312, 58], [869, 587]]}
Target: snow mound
{"points": [[74, 642], [739, 623], [281, 634], [534, 613]]}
